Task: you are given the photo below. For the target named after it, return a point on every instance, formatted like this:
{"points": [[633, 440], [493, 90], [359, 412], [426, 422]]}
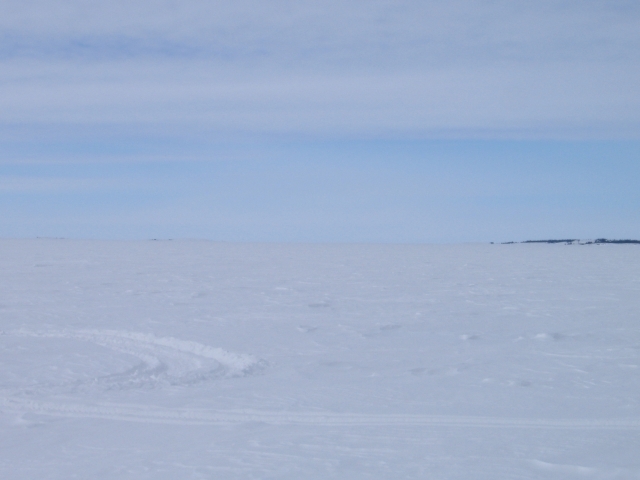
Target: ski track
{"points": [[180, 362]]}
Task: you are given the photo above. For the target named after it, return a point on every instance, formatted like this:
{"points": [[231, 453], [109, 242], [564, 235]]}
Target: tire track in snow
{"points": [[152, 414]]}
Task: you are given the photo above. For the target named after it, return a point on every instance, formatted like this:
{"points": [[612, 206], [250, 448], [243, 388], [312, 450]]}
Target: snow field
{"points": [[203, 360]]}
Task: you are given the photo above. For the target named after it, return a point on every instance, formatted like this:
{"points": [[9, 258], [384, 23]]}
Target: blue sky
{"points": [[320, 121]]}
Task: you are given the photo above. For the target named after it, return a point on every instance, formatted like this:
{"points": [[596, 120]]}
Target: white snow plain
{"points": [[200, 360]]}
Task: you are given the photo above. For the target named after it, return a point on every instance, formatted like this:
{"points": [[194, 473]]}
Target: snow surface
{"points": [[199, 360]]}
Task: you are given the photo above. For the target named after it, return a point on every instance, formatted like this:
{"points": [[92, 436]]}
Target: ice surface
{"points": [[198, 360]]}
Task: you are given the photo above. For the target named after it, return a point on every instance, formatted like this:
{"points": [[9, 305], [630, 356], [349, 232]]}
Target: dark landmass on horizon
{"points": [[577, 241]]}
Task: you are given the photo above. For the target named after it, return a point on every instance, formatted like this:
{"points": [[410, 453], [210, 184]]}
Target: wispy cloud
{"points": [[325, 68], [53, 185]]}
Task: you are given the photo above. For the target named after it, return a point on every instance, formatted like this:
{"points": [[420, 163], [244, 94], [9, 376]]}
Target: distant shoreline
{"points": [[576, 241]]}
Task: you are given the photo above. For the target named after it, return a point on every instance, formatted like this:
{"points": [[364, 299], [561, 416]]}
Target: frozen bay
{"points": [[189, 359]]}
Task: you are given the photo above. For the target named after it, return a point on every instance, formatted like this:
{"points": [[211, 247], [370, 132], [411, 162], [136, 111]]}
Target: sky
{"points": [[320, 121]]}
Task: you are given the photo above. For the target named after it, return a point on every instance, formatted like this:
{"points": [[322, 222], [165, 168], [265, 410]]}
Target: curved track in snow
{"points": [[161, 360], [171, 361]]}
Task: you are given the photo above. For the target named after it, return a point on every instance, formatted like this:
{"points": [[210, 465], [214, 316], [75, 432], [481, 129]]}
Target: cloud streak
{"points": [[325, 68]]}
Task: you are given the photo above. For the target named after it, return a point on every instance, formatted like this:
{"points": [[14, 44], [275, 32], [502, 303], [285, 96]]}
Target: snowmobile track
{"points": [[178, 416], [179, 362]]}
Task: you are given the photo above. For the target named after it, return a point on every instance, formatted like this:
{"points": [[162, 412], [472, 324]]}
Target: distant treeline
{"points": [[571, 241]]}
